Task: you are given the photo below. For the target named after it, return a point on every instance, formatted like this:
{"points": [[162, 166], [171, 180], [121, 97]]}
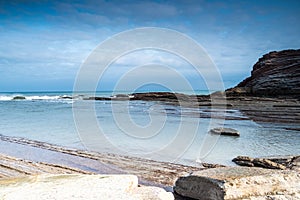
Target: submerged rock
{"points": [[162, 96], [98, 98], [225, 131], [19, 98], [66, 97], [239, 183], [79, 187]]}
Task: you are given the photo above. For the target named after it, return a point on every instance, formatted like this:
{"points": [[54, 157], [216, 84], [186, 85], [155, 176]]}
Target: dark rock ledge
{"points": [[279, 162], [225, 131]]}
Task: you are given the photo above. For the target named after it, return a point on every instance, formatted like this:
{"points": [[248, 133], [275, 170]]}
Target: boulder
{"points": [[239, 183], [225, 131], [78, 187]]}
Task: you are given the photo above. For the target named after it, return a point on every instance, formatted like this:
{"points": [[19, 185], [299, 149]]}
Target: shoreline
{"points": [[31, 158], [17, 167], [160, 176], [280, 110], [150, 172], [276, 111]]}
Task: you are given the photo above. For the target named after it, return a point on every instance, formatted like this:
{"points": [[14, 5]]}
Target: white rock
{"points": [[44, 187]]}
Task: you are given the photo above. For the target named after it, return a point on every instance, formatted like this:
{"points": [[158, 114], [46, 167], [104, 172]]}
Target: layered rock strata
{"points": [[276, 74]]}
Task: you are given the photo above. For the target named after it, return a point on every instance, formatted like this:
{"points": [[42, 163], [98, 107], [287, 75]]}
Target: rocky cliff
{"points": [[275, 74]]}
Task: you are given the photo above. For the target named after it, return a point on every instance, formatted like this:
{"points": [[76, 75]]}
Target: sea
{"points": [[146, 129]]}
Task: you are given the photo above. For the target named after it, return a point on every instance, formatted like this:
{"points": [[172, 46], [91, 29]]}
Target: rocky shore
{"points": [[271, 94], [149, 171], [134, 178], [240, 183], [259, 109], [78, 186], [142, 179], [276, 162], [15, 167]]}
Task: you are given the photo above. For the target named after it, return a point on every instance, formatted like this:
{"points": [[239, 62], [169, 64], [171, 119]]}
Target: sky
{"points": [[44, 43]]}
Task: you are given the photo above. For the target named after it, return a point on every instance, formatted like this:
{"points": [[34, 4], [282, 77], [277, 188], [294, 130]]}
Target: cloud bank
{"points": [[43, 43]]}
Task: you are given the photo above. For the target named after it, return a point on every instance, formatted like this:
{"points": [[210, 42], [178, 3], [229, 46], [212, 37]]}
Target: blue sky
{"points": [[43, 43]]}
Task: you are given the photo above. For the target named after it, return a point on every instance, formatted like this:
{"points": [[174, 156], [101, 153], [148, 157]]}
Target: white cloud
{"points": [[54, 38]]}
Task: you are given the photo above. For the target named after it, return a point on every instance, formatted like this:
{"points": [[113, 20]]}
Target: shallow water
{"points": [[48, 117]]}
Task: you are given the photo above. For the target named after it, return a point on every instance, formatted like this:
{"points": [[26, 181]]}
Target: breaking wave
{"points": [[35, 98]]}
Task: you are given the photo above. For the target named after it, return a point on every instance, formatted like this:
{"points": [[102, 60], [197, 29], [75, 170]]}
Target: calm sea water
{"points": [[48, 117]]}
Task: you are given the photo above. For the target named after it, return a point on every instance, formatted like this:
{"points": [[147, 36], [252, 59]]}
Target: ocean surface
{"points": [[48, 117]]}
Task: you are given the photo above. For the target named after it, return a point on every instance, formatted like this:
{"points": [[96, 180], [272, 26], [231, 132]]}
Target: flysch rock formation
{"points": [[240, 183], [14, 167], [276, 74], [161, 173], [78, 187]]}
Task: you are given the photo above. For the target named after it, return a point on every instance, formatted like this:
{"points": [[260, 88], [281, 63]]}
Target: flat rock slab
{"points": [[240, 183], [73, 186], [225, 131], [280, 162]]}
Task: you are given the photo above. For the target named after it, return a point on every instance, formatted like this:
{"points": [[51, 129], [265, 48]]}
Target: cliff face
{"points": [[275, 74]]}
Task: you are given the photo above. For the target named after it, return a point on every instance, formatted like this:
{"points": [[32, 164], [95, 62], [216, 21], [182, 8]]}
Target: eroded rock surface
{"points": [[78, 187], [148, 170], [14, 167], [240, 183]]}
